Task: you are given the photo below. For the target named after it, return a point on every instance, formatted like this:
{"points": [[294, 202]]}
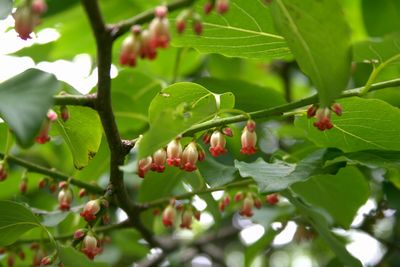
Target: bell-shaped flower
{"points": [[90, 210], [89, 246], [144, 165], [174, 153], [190, 155], [159, 158], [217, 144]]}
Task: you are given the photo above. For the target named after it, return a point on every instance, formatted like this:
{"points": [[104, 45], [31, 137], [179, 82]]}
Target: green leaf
{"points": [[377, 50], [366, 124], [175, 110], [381, 17], [335, 193], [15, 220], [24, 102], [320, 224], [319, 38], [5, 8], [279, 175], [245, 31], [82, 133], [249, 97], [372, 158], [215, 173], [72, 258]]}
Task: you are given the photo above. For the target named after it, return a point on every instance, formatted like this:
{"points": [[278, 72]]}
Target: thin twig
{"points": [[75, 100], [59, 176]]}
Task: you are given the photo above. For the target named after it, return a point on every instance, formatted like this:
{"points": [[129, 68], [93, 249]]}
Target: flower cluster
{"points": [[144, 43], [27, 17], [323, 115], [43, 136], [173, 155], [221, 6], [188, 212], [248, 202]]}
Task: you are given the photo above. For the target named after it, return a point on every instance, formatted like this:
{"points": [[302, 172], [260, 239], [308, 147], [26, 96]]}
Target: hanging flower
{"points": [[144, 166], [159, 28], [90, 210], [187, 218], [90, 246], [174, 153], [272, 199], [217, 143], [168, 215], [249, 139], [65, 199], [222, 6], [189, 157], [159, 158], [43, 136], [247, 207]]}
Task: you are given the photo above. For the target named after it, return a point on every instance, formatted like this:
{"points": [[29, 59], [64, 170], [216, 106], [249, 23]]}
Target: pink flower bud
{"points": [[62, 184], [39, 6], [159, 158], [227, 200], [90, 210], [238, 196], [217, 143], [144, 166], [247, 208], [64, 199], [222, 6], [201, 152], [198, 27], [272, 199], [161, 12], [249, 140], [337, 108], [82, 192], [189, 157], [227, 131], [187, 218], [311, 111], [79, 234], [42, 183], [3, 172], [168, 216], [46, 260], [208, 7], [174, 153], [180, 26], [51, 115], [197, 215], [206, 138], [64, 113], [43, 136], [25, 21], [257, 203], [23, 186], [90, 246], [147, 48]]}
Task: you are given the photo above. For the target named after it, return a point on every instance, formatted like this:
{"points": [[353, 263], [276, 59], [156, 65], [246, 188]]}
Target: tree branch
{"points": [[146, 16], [103, 106], [75, 100], [280, 110], [59, 176]]}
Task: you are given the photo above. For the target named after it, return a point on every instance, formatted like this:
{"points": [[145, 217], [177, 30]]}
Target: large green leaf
{"points": [[280, 175], [249, 97], [215, 173], [82, 133], [321, 226], [381, 17], [319, 38], [176, 109], [335, 193], [72, 258], [15, 220], [366, 124], [24, 102], [245, 31], [5, 8], [131, 95], [371, 158]]}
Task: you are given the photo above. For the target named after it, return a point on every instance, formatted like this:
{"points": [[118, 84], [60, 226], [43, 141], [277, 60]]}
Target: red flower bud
{"points": [[64, 113], [180, 26], [161, 12], [23, 186], [42, 183], [197, 215], [82, 192], [90, 210], [272, 199], [247, 208], [222, 6], [311, 111], [198, 27], [337, 108], [79, 234], [168, 216], [206, 138], [144, 166], [208, 7], [227, 131], [62, 185], [3, 172], [46, 260], [39, 6], [21, 255], [238, 196], [257, 203], [187, 218], [221, 206]]}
